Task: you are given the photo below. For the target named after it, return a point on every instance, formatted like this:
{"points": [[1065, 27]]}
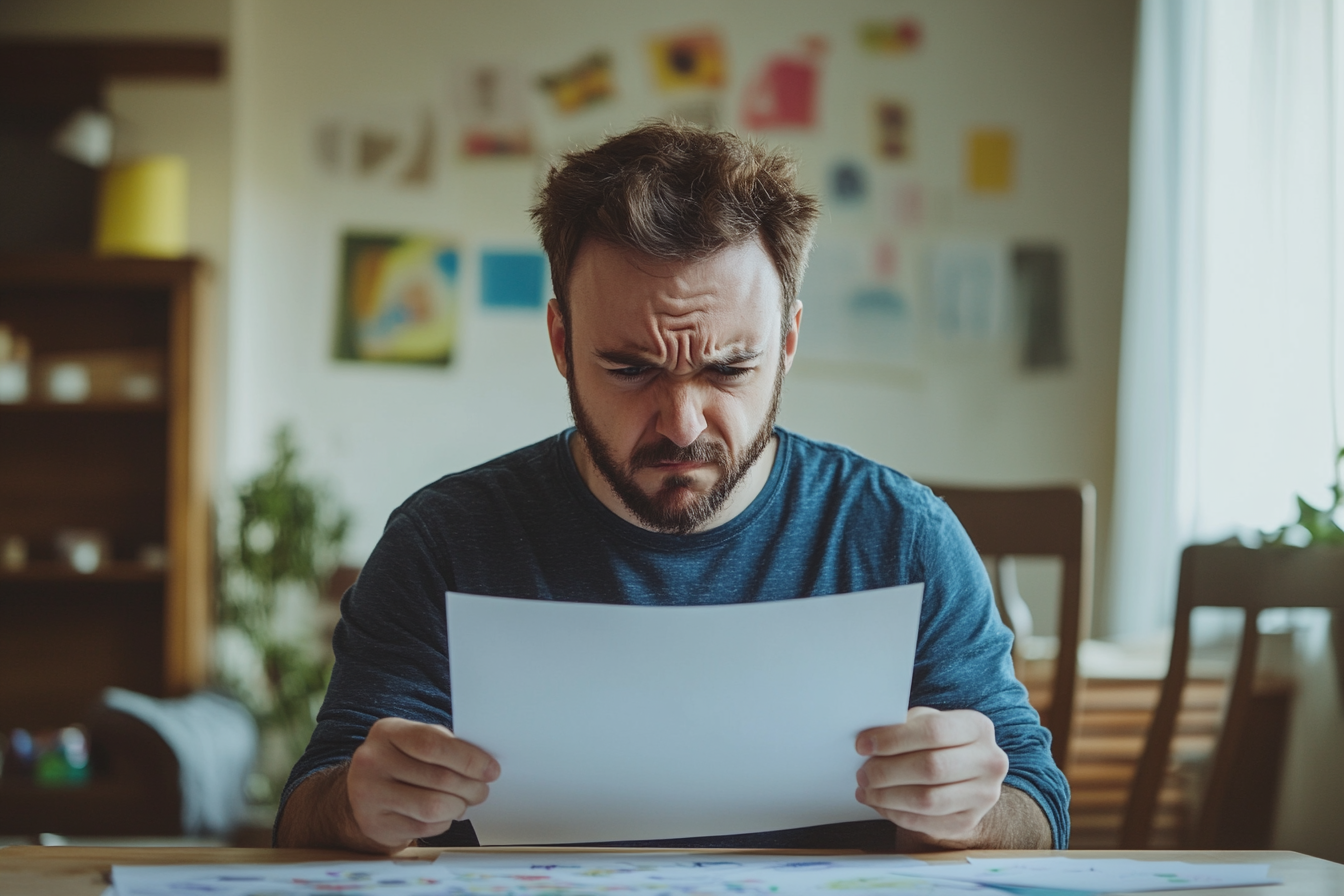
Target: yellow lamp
{"points": [[143, 208]]}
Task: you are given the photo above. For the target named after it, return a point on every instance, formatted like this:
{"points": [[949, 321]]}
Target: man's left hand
{"points": [[937, 775]]}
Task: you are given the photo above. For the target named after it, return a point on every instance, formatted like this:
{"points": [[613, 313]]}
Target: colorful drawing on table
{"points": [[546, 874], [581, 85], [491, 105], [848, 183], [382, 146], [856, 298], [784, 92], [1060, 875], [1038, 294], [968, 285], [513, 278], [688, 874], [688, 60], [398, 299], [991, 160], [891, 127], [893, 38]]}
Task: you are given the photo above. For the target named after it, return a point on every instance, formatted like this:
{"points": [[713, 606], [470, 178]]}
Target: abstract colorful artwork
{"points": [[491, 105], [398, 299], [388, 146], [784, 92], [584, 83], [891, 123], [891, 38], [688, 60]]}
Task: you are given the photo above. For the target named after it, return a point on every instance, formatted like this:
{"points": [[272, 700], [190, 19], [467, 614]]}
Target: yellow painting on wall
{"points": [[398, 299]]}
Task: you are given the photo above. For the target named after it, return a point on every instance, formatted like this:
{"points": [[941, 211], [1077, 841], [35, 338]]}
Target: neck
{"points": [[739, 500]]}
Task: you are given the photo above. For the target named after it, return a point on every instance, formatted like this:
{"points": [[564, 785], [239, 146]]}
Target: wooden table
{"points": [[84, 871]]}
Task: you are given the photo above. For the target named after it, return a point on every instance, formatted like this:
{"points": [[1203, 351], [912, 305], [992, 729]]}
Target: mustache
{"points": [[701, 451]]}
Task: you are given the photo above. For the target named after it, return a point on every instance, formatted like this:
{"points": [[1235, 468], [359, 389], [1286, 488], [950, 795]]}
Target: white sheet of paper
{"points": [[614, 722], [1094, 875]]}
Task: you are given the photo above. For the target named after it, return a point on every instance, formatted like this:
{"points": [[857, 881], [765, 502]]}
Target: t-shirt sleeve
{"points": [[964, 661], [391, 650]]}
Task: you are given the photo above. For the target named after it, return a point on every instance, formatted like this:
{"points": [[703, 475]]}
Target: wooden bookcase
{"points": [[137, 471]]}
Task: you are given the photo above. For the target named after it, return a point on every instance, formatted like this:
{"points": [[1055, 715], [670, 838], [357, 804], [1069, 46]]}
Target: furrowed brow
{"points": [[639, 359]]}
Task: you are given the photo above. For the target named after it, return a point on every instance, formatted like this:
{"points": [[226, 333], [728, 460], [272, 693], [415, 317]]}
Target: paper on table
{"points": [[557, 874], [1094, 875], [690, 874], [614, 722], [401, 878]]}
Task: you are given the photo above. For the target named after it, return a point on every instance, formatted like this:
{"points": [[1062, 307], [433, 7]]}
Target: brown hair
{"points": [[673, 191]]}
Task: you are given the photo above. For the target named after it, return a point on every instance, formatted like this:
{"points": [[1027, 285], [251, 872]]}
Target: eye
{"points": [[733, 373], [628, 373]]}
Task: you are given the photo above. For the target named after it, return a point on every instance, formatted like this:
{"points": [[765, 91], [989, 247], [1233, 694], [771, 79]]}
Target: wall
{"points": [[1055, 71]]}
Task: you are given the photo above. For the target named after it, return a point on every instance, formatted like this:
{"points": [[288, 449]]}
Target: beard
{"points": [[675, 508]]}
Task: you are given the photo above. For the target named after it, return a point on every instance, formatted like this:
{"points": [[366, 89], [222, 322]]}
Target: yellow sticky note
{"points": [[990, 161]]}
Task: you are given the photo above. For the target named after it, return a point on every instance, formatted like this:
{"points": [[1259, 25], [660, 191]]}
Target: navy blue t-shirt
{"points": [[525, 525]]}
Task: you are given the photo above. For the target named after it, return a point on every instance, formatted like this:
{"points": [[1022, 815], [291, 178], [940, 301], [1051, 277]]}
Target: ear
{"points": [[791, 340], [555, 323]]}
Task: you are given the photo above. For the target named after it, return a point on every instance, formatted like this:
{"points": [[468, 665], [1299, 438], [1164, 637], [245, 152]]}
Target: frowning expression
{"points": [[674, 370]]}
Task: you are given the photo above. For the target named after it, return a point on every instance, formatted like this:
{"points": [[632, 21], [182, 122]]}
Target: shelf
{"points": [[52, 571], [84, 407]]}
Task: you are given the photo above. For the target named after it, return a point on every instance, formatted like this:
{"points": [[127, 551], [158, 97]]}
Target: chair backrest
{"points": [[1226, 575], [1046, 521]]}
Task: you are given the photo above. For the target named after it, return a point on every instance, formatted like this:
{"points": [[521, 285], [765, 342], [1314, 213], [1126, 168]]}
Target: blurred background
{"points": [[348, 302]]}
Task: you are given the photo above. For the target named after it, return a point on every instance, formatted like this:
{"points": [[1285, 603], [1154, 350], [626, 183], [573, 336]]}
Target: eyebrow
{"points": [[640, 359]]}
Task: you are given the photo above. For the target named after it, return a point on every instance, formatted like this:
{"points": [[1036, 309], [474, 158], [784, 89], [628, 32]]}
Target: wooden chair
{"points": [[1228, 575], [1050, 521]]}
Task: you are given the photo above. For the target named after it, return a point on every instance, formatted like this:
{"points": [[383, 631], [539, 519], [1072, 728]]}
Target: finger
{"points": [[935, 800], [403, 768], [926, 729], [437, 745], [945, 766], [433, 807]]}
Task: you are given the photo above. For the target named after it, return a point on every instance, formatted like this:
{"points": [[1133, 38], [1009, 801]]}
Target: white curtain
{"points": [[1230, 348]]}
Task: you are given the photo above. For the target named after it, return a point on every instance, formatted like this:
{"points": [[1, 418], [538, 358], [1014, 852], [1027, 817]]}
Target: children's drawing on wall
{"points": [[586, 82], [491, 106], [688, 60], [991, 160], [907, 204], [857, 305], [969, 288], [513, 278], [394, 147], [891, 38], [1038, 293], [848, 184], [891, 125], [398, 299], [783, 94]]}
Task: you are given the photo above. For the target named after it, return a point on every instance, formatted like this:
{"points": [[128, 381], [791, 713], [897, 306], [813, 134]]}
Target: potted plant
{"points": [[279, 542]]}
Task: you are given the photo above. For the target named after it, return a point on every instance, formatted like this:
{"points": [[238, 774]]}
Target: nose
{"points": [[680, 417]]}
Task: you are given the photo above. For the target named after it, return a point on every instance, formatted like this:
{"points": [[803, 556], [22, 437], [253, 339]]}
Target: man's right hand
{"points": [[407, 780]]}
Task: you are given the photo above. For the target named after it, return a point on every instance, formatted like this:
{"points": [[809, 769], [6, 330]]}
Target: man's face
{"points": [[674, 372]]}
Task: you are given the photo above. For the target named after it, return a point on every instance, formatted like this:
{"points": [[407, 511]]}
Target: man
{"points": [[676, 256]]}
